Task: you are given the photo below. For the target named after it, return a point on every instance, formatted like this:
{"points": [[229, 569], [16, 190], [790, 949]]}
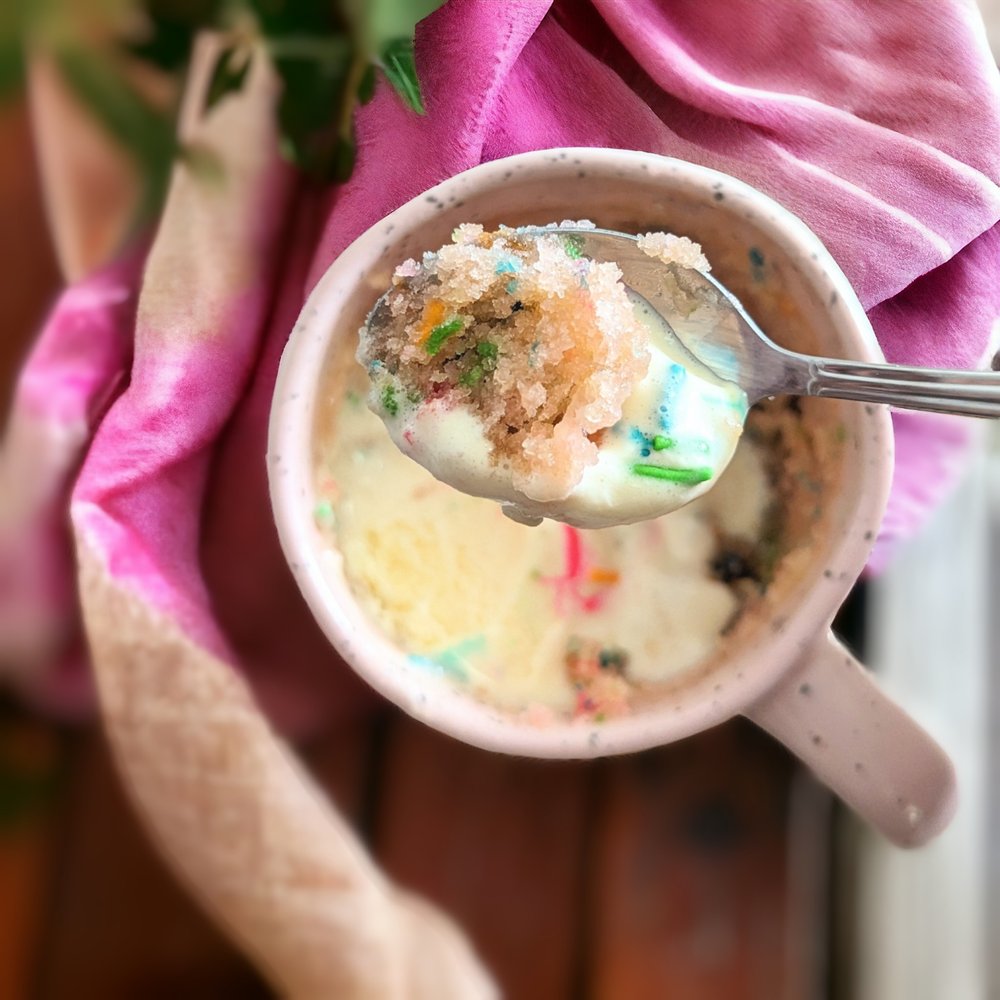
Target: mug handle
{"points": [[832, 715]]}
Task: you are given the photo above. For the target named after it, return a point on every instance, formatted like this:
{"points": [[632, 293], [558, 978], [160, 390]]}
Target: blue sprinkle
{"points": [[641, 441], [450, 662], [675, 379], [511, 287], [508, 266]]}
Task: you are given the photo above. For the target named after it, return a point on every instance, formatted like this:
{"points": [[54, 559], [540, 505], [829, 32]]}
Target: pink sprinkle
{"points": [[567, 586], [574, 552]]}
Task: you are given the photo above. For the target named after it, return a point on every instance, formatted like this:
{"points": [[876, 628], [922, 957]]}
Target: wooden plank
{"points": [[498, 842], [119, 926], [29, 811], [692, 896], [340, 760]]}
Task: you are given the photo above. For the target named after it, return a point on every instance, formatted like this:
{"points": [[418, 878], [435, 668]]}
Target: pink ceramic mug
{"points": [[784, 669]]}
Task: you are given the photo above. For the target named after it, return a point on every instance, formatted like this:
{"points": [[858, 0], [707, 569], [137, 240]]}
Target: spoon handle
{"points": [[972, 394]]}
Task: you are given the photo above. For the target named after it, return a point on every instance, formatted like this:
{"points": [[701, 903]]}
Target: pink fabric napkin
{"points": [[878, 124]]}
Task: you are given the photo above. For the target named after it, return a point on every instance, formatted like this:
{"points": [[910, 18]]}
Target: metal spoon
{"points": [[720, 334]]}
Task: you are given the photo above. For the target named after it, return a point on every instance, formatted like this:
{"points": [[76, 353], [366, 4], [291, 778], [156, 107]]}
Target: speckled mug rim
{"points": [[748, 672]]}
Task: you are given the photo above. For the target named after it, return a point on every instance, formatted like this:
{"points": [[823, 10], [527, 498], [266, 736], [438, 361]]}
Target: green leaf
{"points": [[165, 39], [366, 88], [228, 74], [145, 132], [344, 155], [125, 114], [11, 68], [377, 23], [309, 109], [400, 69], [12, 27]]}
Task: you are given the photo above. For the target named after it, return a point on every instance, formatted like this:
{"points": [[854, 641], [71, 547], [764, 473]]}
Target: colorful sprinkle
{"points": [[573, 245], [389, 402], [508, 266], [686, 476], [323, 511], [451, 661], [433, 316], [487, 351], [473, 376], [605, 576], [661, 443], [511, 288], [675, 379], [441, 333], [568, 585]]}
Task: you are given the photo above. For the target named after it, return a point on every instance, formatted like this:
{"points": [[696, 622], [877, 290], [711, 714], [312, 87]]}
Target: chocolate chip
{"points": [[615, 660], [730, 566]]}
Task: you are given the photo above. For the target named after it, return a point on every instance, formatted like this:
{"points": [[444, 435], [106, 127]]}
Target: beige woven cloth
{"points": [[222, 795]]}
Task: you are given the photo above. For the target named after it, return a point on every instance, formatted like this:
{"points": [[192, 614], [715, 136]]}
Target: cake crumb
{"points": [[673, 249]]}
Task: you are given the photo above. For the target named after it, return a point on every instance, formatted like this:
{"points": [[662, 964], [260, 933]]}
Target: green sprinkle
{"points": [[472, 376], [686, 476], [414, 397], [389, 402], [487, 350], [323, 511], [661, 443], [441, 333], [573, 246]]}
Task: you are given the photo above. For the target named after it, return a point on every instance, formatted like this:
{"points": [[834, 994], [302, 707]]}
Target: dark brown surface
{"points": [[697, 871], [667, 874], [29, 277]]}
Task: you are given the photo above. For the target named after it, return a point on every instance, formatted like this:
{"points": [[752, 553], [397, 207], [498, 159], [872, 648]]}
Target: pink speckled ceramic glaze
{"points": [[789, 674]]}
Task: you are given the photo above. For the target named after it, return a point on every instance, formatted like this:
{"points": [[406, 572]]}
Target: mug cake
{"points": [[556, 620]]}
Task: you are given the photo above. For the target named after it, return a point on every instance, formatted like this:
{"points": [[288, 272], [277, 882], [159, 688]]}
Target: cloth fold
{"points": [[878, 125]]}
